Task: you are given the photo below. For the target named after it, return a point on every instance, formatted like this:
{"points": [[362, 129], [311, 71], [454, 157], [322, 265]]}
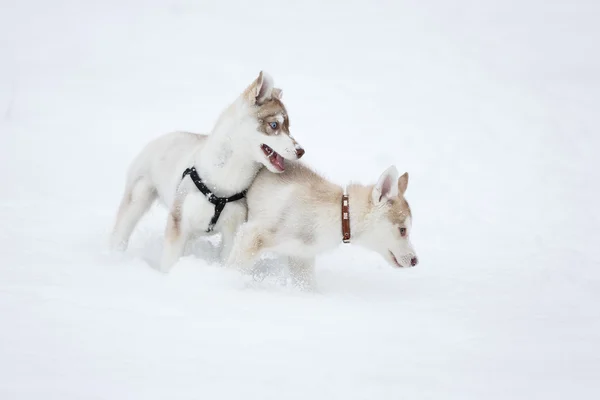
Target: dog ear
{"points": [[403, 183], [264, 87], [260, 90], [385, 189], [277, 93]]}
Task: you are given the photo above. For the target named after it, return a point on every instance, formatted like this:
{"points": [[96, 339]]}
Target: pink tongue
{"points": [[277, 161]]}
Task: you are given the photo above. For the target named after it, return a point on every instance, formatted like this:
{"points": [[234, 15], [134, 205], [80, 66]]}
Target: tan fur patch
{"points": [[268, 112], [321, 190], [324, 194], [398, 211], [257, 244], [174, 223], [176, 217]]}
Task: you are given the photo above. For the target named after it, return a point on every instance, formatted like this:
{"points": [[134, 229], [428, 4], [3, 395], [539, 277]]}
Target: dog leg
{"points": [[176, 236], [136, 201], [228, 238], [302, 271], [228, 231], [251, 240]]}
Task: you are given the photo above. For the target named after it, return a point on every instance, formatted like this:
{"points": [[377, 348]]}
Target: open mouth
{"points": [[274, 158], [395, 260]]}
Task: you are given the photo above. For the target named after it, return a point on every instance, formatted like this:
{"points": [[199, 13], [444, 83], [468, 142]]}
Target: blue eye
{"points": [[273, 125]]}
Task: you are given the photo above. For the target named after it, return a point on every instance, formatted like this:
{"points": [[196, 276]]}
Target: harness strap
{"points": [[219, 202]]}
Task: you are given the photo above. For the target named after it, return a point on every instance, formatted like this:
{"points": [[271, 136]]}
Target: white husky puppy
{"points": [[299, 214], [251, 133]]}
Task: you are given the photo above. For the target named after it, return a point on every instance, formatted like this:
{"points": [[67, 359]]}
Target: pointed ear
{"points": [[403, 183], [386, 187], [266, 88], [260, 90], [277, 93]]}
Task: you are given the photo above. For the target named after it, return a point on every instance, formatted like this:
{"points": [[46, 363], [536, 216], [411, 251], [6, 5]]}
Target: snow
{"points": [[491, 106]]}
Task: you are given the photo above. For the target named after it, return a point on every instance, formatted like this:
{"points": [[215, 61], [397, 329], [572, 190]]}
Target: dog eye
{"points": [[273, 125], [402, 232]]}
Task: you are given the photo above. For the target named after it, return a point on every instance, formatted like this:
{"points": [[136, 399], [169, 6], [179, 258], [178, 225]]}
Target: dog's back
{"points": [[294, 203], [298, 185], [162, 160]]}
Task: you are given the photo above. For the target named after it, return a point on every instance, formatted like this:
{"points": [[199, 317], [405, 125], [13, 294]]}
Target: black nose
{"points": [[299, 152], [414, 261]]}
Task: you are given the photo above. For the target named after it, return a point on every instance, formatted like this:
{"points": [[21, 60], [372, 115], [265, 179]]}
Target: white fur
{"points": [[298, 214], [283, 144], [227, 161]]}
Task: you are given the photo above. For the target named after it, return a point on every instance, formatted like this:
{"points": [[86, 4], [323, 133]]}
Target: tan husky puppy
{"points": [[299, 214]]}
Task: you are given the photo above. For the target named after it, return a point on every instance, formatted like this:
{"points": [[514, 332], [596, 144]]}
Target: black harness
{"points": [[219, 202]]}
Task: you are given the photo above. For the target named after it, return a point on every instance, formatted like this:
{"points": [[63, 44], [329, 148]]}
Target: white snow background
{"points": [[492, 107]]}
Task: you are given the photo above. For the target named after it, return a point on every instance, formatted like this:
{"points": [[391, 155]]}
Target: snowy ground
{"points": [[491, 106]]}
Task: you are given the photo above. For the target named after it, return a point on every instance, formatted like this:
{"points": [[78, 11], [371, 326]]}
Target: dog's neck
{"points": [[223, 163]]}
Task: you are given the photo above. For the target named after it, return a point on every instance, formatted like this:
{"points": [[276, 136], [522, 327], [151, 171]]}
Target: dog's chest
{"points": [[198, 212]]}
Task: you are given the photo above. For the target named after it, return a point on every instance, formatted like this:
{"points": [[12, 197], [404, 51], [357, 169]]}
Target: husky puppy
{"points": [[299, 214], [202, 179]]}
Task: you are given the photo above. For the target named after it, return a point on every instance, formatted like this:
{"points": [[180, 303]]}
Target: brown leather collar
{"points": [[345, 219]]}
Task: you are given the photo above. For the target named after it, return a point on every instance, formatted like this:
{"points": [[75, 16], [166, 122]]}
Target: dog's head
{"points": [[265, 125], [388, 222]]}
